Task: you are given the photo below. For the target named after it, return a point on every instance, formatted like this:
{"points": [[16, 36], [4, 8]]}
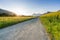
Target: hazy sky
{"points": [[28, 7]]}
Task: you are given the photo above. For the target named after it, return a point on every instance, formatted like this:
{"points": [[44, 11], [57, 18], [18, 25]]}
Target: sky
{"points": [[28, 7]]}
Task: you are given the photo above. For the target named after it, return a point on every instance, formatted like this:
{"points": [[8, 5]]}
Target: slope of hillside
{"points": [[6, 13], [51, 22]]}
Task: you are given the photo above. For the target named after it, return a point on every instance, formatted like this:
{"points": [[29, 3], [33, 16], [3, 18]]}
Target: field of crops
{"points": [[51, 22], [7, 21]]}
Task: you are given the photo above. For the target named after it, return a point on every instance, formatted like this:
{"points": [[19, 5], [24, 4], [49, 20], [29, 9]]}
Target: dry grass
{"points": [[7, 21]]}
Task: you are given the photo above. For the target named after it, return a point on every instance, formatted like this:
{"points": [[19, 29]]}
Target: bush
{"points": [[51, 22]]}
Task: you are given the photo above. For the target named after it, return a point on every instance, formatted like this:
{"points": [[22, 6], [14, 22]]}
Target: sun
{"points": [[19, 11]]}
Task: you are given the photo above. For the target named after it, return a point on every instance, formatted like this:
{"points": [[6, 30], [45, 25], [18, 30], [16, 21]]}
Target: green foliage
{"points": [[51, 22], [7, 21]]}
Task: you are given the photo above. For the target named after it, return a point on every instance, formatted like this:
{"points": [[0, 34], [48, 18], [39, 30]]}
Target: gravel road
{"points": [[28, 30]]}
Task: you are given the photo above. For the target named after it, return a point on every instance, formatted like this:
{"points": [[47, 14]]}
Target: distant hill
{"points": [[52, 13], [6, 13], [36, 14]]}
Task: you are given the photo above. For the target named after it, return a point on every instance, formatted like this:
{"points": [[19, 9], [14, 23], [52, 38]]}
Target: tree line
{"points": [[7, 14]]}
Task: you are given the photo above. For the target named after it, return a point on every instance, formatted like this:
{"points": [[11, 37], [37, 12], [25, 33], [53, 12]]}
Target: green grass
{"points": [[51, 21], [7, 21]]}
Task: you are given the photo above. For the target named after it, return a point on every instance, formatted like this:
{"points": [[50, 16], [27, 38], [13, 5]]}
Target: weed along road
{"points": [[29, 30]]}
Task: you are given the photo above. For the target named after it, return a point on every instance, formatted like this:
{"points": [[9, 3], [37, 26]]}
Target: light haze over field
{"points": [[28, 7]]}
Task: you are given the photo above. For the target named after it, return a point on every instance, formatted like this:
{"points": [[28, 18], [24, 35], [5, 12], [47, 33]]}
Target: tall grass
{"points": [[51, 22], [7, 21]]}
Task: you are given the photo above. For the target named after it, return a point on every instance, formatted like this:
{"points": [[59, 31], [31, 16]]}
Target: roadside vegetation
{"points": [[8, 21], [8, 18], [51, 21]]}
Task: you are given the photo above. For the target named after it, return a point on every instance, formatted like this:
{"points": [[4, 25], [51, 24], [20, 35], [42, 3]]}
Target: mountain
{"points": [[36, 14], [6, 13]]}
